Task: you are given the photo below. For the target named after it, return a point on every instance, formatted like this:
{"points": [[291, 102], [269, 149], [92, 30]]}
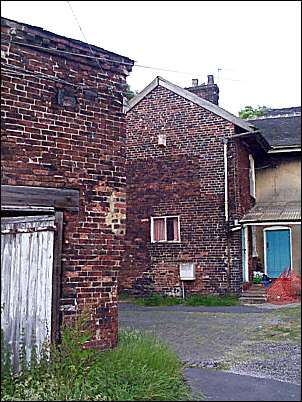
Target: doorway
{"points": [[277, 250]]}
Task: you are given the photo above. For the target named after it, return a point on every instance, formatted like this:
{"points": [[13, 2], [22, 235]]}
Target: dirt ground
{"points": [[257, 341]]}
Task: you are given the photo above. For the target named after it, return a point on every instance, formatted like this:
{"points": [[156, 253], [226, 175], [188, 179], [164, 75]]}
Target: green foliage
{"points": [[249, 112], [194, 300], [130, 93], [156, 299], [140, 368], [257, 279], [211, 300]]}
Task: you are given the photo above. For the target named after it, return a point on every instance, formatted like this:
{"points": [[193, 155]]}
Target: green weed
{"points": [[194, 300], [211, 300], [140, 368]]}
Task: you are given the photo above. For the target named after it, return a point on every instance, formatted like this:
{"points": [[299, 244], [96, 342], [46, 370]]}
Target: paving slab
{"points": [[221, 386]]}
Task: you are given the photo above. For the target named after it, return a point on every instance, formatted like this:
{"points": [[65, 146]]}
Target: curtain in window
{"points": [[175, 229], [159, 229]]}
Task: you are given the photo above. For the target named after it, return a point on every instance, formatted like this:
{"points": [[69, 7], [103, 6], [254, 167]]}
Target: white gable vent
{"points": [[162, 140], [187, 271]]}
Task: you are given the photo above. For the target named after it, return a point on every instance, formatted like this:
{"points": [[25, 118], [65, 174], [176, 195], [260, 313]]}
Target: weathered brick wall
{"points": [[185, 178], [77, 145]]}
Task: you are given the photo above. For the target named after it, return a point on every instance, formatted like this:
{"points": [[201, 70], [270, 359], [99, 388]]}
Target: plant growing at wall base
{"points": [[140, 368]]}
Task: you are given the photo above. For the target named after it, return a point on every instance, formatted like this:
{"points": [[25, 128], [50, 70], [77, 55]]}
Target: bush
{"points": [[140, 368]]}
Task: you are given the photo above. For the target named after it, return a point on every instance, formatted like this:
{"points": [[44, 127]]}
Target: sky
{"points": [[253, 48]]}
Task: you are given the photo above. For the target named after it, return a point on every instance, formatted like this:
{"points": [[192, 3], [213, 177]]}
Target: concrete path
{"points": [[196, 309], [224, 351], [221, 386]]}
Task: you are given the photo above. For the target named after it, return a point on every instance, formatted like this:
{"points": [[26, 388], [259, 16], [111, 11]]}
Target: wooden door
{"points": [[27, 256], [278, 251]]}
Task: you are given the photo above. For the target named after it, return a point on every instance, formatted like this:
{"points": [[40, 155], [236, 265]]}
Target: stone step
{"points": [[253, 295], [256, 291], [247, 294], [253, 300]]}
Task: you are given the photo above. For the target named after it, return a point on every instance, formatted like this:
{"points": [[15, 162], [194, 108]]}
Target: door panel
{"points": [[278, 253], [26, 277]]}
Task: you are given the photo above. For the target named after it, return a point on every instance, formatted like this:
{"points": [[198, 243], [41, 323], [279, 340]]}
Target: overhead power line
{"points": [[104, 59]]}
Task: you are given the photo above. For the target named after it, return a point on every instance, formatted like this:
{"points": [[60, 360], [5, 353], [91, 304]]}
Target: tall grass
{"points": [[141, 368]]}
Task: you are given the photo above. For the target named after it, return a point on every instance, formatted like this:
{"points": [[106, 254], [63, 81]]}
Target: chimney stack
{"points": [[210, 79], [209, 91]]}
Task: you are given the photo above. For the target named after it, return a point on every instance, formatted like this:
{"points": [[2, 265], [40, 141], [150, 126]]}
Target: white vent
{"points": [[187, 271], [162, 140]]}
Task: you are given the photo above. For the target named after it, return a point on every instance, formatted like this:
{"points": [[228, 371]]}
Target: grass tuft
{"points": [[194, 300], [157, 300], [140, 368], [211, 300]]}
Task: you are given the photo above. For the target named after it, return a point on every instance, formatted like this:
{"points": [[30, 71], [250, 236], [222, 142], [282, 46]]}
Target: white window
{"points": [[252, 176], [165, 229]]}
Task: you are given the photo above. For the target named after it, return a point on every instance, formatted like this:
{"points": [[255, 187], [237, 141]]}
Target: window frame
{"points": [[252, 176], [165, 220]]}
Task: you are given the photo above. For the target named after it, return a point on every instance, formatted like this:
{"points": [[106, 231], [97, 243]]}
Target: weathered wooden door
{"points": [[27, 245]]}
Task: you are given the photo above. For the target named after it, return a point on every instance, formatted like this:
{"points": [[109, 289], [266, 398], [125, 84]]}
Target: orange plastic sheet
{"points": [[286, 289]]}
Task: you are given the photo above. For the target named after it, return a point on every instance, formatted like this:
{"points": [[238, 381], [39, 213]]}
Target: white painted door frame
{"points": [[245, 247]]}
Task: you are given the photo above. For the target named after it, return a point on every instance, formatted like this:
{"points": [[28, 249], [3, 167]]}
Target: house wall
{"points": [[75, 145], [296, 245], [185, 178], [280, 182]]}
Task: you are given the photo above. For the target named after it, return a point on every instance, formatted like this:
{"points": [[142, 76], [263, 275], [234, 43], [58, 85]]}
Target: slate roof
{"points": [[274, 211], [283, 127], [285, 111]]}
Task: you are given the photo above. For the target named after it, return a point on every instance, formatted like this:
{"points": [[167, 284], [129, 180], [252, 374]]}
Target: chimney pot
{"points": [[210, 79], [194, 82]]}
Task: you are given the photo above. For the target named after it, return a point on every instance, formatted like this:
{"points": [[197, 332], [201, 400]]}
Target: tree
{"points": [[249, 112], [129, 93]]}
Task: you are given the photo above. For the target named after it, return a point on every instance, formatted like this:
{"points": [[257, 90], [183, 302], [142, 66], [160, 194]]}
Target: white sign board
{"points": [[187, 271]]}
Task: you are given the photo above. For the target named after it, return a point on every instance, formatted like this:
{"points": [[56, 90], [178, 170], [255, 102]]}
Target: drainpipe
{"points": [[226, 209], [225, 160]]}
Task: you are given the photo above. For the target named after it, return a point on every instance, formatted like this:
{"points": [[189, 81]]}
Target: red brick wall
{"points": [[78, 147], [185, 178]]}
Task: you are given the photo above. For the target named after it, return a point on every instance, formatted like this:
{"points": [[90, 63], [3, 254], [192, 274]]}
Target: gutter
{"points": [[247, 133], [271, 222], [279, 150]]}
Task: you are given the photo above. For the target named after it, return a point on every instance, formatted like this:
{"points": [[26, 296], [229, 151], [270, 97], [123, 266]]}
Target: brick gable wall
{"points": [[185, 178], [78, 146]]}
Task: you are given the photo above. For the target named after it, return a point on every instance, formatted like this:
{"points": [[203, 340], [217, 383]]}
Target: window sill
{"points": [[166, 242]]}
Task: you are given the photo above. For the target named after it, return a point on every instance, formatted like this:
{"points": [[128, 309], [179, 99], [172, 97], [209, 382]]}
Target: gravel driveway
{"points": [[233, 339]]}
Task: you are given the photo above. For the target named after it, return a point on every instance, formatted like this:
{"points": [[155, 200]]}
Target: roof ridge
{"points": [[275, 117], [191, 97]]}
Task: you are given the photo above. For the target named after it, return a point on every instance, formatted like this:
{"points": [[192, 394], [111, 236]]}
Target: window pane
{"points": [[172, 229], [176, 229], [159, 229]]}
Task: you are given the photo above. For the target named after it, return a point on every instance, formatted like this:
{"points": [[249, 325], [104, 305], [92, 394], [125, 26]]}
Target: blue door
{"points": [[278, 253]]}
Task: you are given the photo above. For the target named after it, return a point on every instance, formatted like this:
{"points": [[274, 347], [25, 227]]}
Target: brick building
{"points": [[190, 179], [63, 171]]}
